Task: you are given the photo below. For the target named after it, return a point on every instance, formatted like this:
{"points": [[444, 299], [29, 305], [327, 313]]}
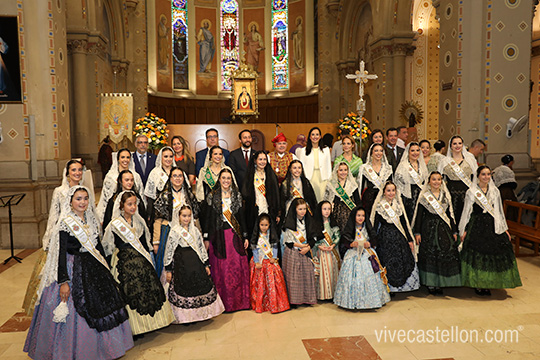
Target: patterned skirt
{"points": [[300, 277], [230, 275], [358, 287], [31, 290], [73, 339], [268, 289], [327, 279], [192, 293]]}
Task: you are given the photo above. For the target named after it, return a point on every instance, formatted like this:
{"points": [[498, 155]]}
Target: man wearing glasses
{"points": [[212, 139], [143, 160]]}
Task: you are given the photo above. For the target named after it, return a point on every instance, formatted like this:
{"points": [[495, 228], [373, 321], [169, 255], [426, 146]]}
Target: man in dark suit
{"points": [[212, 138], [393, 152], [144, 161], [239, 158]]}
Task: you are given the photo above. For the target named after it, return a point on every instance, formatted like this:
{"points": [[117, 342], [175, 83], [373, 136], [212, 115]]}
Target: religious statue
{"points": [[207, 48], [163, 44], [298, 44], [244, 100], [254, 44]]}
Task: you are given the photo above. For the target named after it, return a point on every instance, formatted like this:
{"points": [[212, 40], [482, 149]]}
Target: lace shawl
{"points": [[503, 175], [385, 173], [350, 184], [175, 240], [402, 176]]}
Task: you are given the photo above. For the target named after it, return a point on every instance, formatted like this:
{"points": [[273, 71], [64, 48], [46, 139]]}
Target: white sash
{"points": [[126, 233], [265, 246], [361, 241], [483, 201], [459, 172], [163, 178], [436, 205], [393, 216], [373, 176], [225, 209], [414, 175], [81, 233], [186, 235], [177, 203]]}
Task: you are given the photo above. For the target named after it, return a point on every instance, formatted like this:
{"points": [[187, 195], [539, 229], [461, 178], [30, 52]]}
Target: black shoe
{"points": [[432, 290], [392, 294], [479, 292], [439, 291], [487, 292], [137, 337]]}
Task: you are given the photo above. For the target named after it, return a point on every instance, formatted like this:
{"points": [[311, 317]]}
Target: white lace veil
{"points": [[403, 178], [199, 189], [155, 184], [445, 193], [386, 168], [350, 184], [494, 198], [139, 226], [49, 273], [503, 175], [467, 156], [174, 238]]}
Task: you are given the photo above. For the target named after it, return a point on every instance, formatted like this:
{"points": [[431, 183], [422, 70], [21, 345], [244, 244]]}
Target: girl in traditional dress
{"points": [[300, 236], [127, 239], [296, 185], [435, 232], [157, 179], [326, 251], [260, 191], [79, 314], [268, 289], [317, 162], [425, 147], [487, 257], [435, 158], [208, 176], [126, 182], [175, 193], [395, 241], [191, 292], [183, 158], [359, 285], [410, 176], [227, 241], [348, 156], [342, 193], [73, 176], [372, 175], [121, 161], [458, 169]]}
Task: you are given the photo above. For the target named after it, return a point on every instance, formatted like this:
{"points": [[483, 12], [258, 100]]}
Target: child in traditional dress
{"points": [[327, 252], [192, 293], [268, 289], [299, 237], [362, 280]]}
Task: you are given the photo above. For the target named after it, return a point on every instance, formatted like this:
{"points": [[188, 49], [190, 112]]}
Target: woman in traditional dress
{"points": [[191, 292], [176, 193], [342, 193], [260, 191], [80, 313], [157, 179], [359, 285], [505, 178], [121, 161], [127, 239], [458, 168], [300, 236], [126, 182], [73, 176], [435, 158], [410, 176], [487, 257], [372, 175], [267, 284], [395, 241], [435, 231], [183, 158], [227, 241], [425, 147], [348, 156], [317, 162], [327, 252], [296, 185], [208, 176]]}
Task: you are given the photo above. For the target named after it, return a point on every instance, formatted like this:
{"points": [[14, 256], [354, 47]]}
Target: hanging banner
{"points": [[116, 116]]}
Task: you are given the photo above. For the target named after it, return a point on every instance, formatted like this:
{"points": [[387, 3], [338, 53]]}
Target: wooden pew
{"points": [[521, 231]]}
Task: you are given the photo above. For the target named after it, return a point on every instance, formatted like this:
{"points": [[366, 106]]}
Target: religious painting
{"points": [[180, 43], [116, 116], [297, 48], [207, 46], [207, 56], [254, 37], [254, 44], [230, 49], [245, 97], [10, 70], [164, 44]]}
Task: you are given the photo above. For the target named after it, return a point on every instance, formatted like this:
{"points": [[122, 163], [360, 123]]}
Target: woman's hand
{"points": [[246, 244], [208, 270], [304, 250], [411, 245], [206, 244], [418, 239], [367, 245], [354, 244], [64, 292], [258, 266], [455, 237], [156, 248], [168, 276], [509, 237], [463, 236]]}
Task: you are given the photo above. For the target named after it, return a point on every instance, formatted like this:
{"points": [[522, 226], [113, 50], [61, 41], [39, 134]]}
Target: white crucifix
{"points": [[361, 77]]}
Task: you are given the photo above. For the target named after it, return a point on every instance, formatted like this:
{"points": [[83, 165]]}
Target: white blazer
{"points": [[325, 162]]}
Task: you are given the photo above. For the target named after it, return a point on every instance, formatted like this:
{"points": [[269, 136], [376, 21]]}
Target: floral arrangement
{"points": [[359, 133], [155, 129]]}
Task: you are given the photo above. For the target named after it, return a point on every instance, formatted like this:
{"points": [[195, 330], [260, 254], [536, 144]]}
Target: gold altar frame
{"points": [[244, 78]]}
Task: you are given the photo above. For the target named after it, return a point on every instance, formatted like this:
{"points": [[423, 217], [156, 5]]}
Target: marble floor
{"points": [[248, 335]]}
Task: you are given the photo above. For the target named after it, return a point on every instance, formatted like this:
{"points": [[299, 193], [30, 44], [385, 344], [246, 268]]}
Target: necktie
{"points": [[246, 157], [143, 164]]}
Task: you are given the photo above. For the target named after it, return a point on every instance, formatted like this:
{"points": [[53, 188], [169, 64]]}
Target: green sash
{"points": [[343, 195], [209, 179]]}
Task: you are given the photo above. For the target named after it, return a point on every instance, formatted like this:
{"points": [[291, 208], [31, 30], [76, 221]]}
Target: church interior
{"points": [[88, 69]]}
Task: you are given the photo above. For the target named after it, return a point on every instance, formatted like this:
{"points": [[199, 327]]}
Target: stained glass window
{"points": [[229, 41], [180, 43], [280, 46]]}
